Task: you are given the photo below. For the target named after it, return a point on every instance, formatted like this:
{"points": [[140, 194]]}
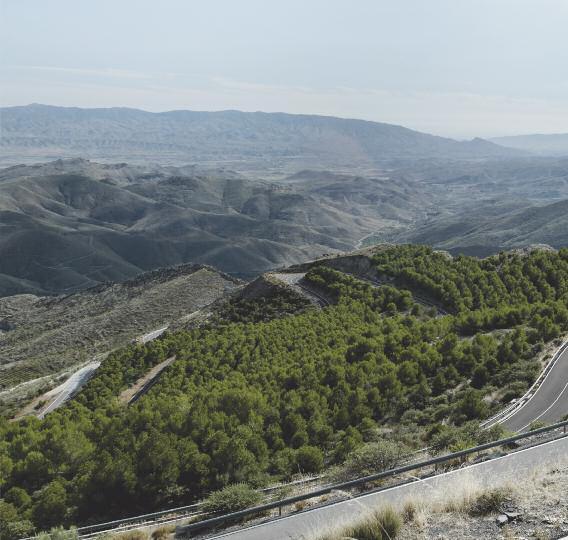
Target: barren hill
{"points": [[43, 336], [70, 224]]}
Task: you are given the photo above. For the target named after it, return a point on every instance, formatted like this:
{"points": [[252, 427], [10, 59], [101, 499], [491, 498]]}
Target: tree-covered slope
{"points": [[250, 401]]}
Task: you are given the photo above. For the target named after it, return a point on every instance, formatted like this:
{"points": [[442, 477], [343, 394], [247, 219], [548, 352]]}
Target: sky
{"points": [[459, 68]]}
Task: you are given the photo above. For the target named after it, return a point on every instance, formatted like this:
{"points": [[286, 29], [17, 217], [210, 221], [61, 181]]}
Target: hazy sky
{"points": [[452, 67]]}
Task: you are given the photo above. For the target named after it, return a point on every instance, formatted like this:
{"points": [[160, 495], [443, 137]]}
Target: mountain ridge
{"points": [[43, 132]]}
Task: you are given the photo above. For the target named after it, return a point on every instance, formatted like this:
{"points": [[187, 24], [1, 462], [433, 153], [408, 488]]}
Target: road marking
{"points": [[552, 364], [550, 407]]}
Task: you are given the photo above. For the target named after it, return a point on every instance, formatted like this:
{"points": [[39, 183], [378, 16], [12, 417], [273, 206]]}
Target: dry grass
{"points": [[461, 510], [163, 532], [131, 535], [383, 524]]}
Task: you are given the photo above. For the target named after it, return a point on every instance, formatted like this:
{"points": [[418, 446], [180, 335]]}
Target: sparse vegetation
{"points": [[466, 507], [59, 533], [131, 535], [409, 510], [162, 533], [383, 524]]}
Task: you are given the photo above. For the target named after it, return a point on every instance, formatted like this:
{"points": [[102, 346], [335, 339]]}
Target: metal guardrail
{"points": [[151, 519], [227, 518], [126, 521]]}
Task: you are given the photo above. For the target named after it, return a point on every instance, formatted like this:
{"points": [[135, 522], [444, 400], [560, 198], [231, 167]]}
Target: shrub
{"points": [[537, 424], [371, 458], [59, 533], [390, 522], [488, 502], [231, 499]]}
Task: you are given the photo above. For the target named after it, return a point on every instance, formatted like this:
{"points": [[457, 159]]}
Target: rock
{"points": [[513, 516], [502, 520]]}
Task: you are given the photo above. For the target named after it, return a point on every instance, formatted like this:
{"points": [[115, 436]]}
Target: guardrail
{"points": [[512, 409], [144, 517], [180, 512], [228, 518]]}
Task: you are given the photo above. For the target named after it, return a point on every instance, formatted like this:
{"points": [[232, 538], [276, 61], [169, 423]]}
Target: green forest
{"points": [[272, 387]]}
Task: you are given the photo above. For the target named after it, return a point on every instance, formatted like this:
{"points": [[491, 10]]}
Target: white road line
{"points": [[550, 367], [550, 407]]}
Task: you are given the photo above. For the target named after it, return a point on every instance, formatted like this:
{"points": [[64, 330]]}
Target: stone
{"points": [[502, 520]]}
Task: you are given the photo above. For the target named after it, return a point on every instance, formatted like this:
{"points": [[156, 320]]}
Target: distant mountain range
{"points": [[548, 145], [39, 133]]}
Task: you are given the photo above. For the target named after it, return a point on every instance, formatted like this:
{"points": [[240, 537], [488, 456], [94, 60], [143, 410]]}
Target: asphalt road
{"points": [[549, 403], [66, 390], [307, 524], [294, 280], [150, 336]]}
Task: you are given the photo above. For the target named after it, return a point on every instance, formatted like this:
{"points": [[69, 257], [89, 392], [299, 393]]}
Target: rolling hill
{"points": [[71, 224]]}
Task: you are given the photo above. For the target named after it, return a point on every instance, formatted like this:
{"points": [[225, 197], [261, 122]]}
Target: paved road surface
{"points": [[550, 402], [150, 336], [294, 281], [304, 525], [66, 390], [150, 379]]}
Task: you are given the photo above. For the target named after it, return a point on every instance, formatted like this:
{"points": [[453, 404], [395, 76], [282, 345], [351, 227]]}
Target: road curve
{"points": [[70, 387], [304, 525], [294, 281], [548, 404]]}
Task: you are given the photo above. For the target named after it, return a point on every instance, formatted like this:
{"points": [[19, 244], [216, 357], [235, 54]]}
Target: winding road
{"points": [[548, 404], [294, 281], [69, 388]]}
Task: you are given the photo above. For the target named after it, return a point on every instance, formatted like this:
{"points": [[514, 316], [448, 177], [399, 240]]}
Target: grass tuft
{"points": [[488, 502], [383, 524]]}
